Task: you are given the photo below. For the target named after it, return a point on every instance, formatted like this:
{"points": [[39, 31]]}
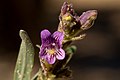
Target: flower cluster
{"points": [[56, 51], [70, 25]]}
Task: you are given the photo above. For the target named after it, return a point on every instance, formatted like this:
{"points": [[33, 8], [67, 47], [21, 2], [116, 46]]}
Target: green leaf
{"points": [[25, 58]]}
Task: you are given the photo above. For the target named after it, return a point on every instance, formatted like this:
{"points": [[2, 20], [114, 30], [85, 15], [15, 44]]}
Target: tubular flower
{"points": [[51, 48]]}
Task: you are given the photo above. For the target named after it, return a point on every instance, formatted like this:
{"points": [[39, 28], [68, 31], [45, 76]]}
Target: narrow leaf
{"points": [[25, 58]]}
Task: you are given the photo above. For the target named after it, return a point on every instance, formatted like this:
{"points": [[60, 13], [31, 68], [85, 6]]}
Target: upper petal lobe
{"points": [[58, 36], [45, 34]]}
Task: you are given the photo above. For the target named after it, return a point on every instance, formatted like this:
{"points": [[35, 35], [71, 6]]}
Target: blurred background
{"points": [[97, 56]]}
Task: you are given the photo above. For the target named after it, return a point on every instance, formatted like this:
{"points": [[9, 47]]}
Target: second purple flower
{"points": [[51, 48]]}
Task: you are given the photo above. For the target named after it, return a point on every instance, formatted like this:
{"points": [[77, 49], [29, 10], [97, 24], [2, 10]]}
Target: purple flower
{"points": [[51, 48], [88, 15]]}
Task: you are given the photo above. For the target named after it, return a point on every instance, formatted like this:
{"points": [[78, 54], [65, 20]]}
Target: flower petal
{"points": [[58, 36], [45, 34], [60, 55], [50, 59], [42, 52]]}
